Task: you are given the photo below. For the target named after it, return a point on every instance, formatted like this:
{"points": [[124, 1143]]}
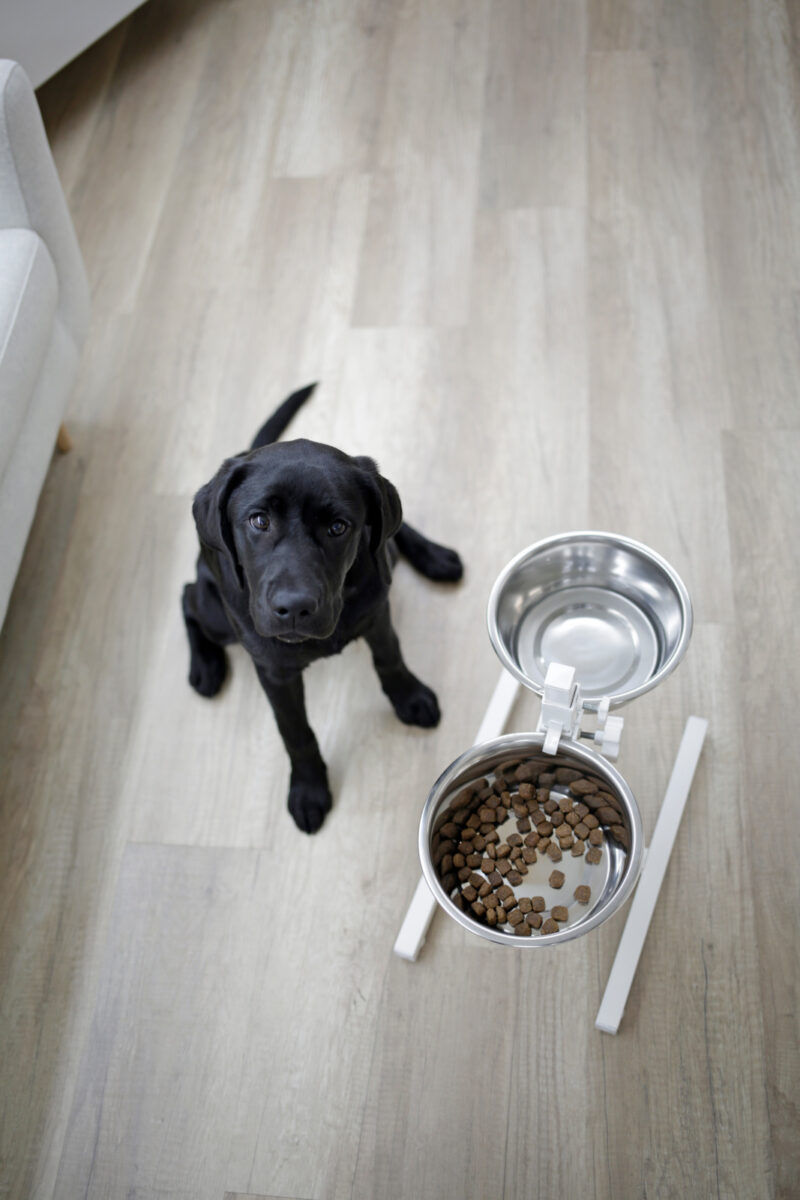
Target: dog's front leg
{"points": [[309, 795], [414, 703]]}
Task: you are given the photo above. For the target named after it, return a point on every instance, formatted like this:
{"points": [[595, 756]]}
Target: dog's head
{"points": [[283, 526]]}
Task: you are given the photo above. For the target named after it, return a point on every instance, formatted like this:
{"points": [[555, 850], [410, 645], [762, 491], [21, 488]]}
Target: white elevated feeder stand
{"points": [[562, 711]]}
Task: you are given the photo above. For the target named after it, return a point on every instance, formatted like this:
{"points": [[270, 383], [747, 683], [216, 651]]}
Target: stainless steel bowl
{"points": [[609, 607], [611, 881]]}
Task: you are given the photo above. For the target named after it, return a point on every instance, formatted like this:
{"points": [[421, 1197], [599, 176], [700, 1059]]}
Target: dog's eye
{"points": [[259, 521], [338, 528]]}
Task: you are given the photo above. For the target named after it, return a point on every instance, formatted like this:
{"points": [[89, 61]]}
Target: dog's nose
{"points": [[289, 604]]}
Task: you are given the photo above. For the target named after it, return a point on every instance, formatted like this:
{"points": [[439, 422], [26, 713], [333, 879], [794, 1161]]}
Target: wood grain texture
{"points": [[544, 260]]}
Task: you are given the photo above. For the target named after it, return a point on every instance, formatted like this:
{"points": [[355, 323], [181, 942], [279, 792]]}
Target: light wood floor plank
{"points": [[534, 124], [415, 267]]}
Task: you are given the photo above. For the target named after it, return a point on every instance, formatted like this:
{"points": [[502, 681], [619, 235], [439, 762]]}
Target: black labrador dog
{"points": [[297, 545]]}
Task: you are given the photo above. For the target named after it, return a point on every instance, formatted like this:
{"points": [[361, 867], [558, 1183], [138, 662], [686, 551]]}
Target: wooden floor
{"points": [[544, 258]]}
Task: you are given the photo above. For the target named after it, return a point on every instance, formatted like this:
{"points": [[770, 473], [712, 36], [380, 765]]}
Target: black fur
{"points": [[297, 543]]}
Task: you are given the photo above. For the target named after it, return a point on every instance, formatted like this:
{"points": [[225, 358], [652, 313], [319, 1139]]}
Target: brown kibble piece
{"points": [[572, 819], [503, 866], [479, 908], [532, 840], [523, 930], [487, 865], [582, 893], [528, 855], [514, 877], [491, 901], [526, 790], [596, 837], [525, 904], [577, 849], [537, 904], [553, 852], [515, 917], [501, 915], [534, 919], [567, 775], [473, 860], [505, 892], [560, 912], [563, 830], [464, 874], [458, 861], [608, 816], [581, 831], [470, 893], [503, 850], [620, 833], [476, 880], [594, 854], [590, 820], [556, 879], [495, 878], [550, 926], [544, 829], [491, 916], [514, 839], [565, 804], [583, 787], [550, 806], [484, 890]]}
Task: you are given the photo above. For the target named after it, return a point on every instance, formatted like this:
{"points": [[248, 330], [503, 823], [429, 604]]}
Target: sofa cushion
{"points": [[28, 299]]}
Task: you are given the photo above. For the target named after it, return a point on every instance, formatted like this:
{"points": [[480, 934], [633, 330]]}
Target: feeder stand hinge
{"points": [[561, 706], [562, 711]]}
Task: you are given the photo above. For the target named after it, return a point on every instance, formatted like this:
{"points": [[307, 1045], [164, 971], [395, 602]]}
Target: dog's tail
{"points": [[272, 429]]}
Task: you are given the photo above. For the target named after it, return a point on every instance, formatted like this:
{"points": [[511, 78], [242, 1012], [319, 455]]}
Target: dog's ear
{"points": [[384, 511], [210, 511]]}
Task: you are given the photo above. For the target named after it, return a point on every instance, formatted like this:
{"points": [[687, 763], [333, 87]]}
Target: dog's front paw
{"points": [[207, 671], [416, 704], [309, 804]]}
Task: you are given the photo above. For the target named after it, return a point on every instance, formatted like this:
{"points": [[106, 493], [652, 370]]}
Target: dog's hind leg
{"points": [[429, 558], [208, 631]]}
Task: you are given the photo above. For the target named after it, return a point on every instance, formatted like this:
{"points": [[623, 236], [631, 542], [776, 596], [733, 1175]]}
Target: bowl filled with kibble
{"points": [[608, 606], [530, 849]]}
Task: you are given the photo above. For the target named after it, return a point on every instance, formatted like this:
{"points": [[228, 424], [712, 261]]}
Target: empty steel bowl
{"points": [[609, 607], [611, 880]]}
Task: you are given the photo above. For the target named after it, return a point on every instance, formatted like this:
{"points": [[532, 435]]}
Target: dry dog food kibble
{"points": [[489, 835]]}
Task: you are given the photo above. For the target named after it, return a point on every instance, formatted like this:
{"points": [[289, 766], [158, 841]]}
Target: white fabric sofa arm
{"points": [[31, 195]]}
